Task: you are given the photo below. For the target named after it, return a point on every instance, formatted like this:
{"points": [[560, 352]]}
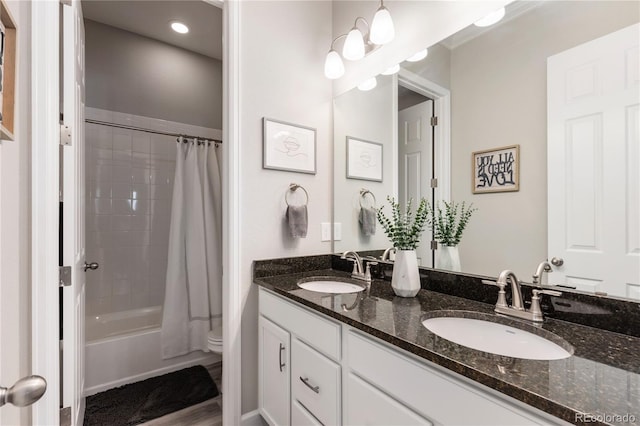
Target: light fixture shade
{"points": [[353, 49], [382, 30], [368, 84], [391, 70], [333, 66], [491, 18], [418, 56]]}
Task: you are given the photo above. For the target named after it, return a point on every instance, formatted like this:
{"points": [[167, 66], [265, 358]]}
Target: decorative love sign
{"points": [[496, 170]]}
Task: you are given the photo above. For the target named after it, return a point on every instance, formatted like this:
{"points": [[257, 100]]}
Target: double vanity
{"points": [[334, 350]]}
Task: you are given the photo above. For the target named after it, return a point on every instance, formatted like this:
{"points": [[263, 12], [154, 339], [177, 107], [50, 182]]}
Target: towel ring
{"points": [[293, 188], [363, 194]]}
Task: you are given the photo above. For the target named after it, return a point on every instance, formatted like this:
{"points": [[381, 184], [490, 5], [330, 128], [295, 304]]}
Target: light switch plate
{"points": [[326, 231], [337, 231]]}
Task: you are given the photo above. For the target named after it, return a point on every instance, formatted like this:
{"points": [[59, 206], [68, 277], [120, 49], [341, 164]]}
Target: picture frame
{"points": [[288, 147], [496, 170], [364, 159]]}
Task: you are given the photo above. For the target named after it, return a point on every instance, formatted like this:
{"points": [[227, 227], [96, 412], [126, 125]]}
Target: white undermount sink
{"points": [[495, 338], [330, 286]]}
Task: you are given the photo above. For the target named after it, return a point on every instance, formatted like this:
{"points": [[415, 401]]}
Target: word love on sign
{"points": [[496, 170]]}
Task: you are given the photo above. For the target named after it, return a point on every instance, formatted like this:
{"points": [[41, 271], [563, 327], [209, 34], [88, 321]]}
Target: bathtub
{"points": [[124, 347]]}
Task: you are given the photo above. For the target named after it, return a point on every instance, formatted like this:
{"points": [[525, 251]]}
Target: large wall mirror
{"points": [[560, 80]]}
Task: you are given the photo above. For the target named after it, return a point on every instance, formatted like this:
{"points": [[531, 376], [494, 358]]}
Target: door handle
{"points": [[93, 266], [557, 261], [24, 392], [280, 357]]}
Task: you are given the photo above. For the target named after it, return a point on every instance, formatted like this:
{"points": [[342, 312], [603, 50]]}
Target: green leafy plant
{"points": [[450, 224], [404, 228]]}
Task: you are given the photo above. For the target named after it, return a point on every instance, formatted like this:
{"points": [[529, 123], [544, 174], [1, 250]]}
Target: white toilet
{"points": [[214, 340]]}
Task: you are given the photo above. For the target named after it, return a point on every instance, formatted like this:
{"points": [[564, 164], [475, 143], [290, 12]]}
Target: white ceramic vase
{"points": [[448, 258], [406, 278]]}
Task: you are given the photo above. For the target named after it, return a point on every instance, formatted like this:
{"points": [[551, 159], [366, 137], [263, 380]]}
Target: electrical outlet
{"points": [[337, 231], [326, 231]]}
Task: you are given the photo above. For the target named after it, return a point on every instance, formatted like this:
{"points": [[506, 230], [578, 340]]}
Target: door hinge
{"points": [[65, 134], [434, 245], [434, 182], [65, 275], [434, 121]]}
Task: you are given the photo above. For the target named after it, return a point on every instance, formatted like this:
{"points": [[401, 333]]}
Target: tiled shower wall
{"points": [[128, 209]]}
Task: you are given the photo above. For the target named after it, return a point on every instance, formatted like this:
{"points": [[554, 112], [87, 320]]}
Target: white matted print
{"points": [[496, 170], [288, 147], [364, 160]]}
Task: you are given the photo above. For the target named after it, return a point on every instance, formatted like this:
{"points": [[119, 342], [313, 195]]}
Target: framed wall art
{"points": [[364, 160], [288, 147], [496, 170]]}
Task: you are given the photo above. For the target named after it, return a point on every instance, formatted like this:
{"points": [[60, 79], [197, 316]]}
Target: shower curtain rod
{"points": [[157, 132]]}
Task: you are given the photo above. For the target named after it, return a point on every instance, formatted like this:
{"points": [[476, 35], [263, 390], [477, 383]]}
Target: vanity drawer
{"points": [[315, 382], [436, 395], [321, 333], [301, 417]]}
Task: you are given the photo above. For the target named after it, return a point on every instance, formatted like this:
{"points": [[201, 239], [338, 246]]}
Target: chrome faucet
{"points": [[541, 269], [517, 308], [358, 269], [387, 253]]}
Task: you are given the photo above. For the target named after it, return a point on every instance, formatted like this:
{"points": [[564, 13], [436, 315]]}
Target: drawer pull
{"points": [[305, 380], [282, 364]]}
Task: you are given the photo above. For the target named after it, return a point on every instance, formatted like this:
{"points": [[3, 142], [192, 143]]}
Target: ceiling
{"points": [[151, 18]]}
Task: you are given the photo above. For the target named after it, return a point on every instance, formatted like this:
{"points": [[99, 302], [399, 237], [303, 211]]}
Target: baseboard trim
{"points": [[252, 418], [209, 358]]}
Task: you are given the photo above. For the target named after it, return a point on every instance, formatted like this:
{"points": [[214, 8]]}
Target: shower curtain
{"points": [[193, 294]]}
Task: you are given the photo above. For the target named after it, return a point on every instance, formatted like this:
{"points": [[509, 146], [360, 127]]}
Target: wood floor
{"points": [[207, 413]]}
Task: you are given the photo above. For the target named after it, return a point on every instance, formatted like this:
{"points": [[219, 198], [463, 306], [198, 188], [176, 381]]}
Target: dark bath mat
{"points": [[149, 399]]}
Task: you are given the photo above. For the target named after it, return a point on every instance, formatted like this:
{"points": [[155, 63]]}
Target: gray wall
{"points": [[137, 75]]}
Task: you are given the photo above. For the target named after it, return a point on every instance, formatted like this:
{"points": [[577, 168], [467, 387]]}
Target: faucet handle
{"points": [[367, 274], [536, 310]]}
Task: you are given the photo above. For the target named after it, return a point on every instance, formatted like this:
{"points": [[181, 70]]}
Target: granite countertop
{"points": [[598, 384]]}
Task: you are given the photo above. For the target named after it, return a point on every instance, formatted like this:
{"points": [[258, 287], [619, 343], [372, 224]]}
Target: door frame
{"points": [[45, 131], [45, 209], [442, 109]]}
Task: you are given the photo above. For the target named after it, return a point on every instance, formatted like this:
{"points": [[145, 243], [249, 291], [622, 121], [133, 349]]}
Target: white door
{"points": [[594, 164], [73, 212], [414, 157]]}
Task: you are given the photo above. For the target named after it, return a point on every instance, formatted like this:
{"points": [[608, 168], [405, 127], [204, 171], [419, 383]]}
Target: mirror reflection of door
{"points": [[415, 166], [593, 164]]}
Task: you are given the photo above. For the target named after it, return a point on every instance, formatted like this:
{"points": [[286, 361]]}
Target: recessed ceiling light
{"points": [[179, 27], [491, 18]]}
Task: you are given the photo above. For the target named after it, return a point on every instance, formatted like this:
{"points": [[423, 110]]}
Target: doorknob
{"points": [[557, 261], [24, 392], [93, 266]]}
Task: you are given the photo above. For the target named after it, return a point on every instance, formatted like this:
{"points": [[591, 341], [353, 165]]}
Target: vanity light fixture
{"points": [[382, 30], [368, 84], [360, 41], [418, 56], [491, 18], [391, 70], [179, 27]]}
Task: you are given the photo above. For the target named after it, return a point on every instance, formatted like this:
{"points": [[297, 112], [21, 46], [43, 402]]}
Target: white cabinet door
{"points": [[366, 405], [274, 371]]}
